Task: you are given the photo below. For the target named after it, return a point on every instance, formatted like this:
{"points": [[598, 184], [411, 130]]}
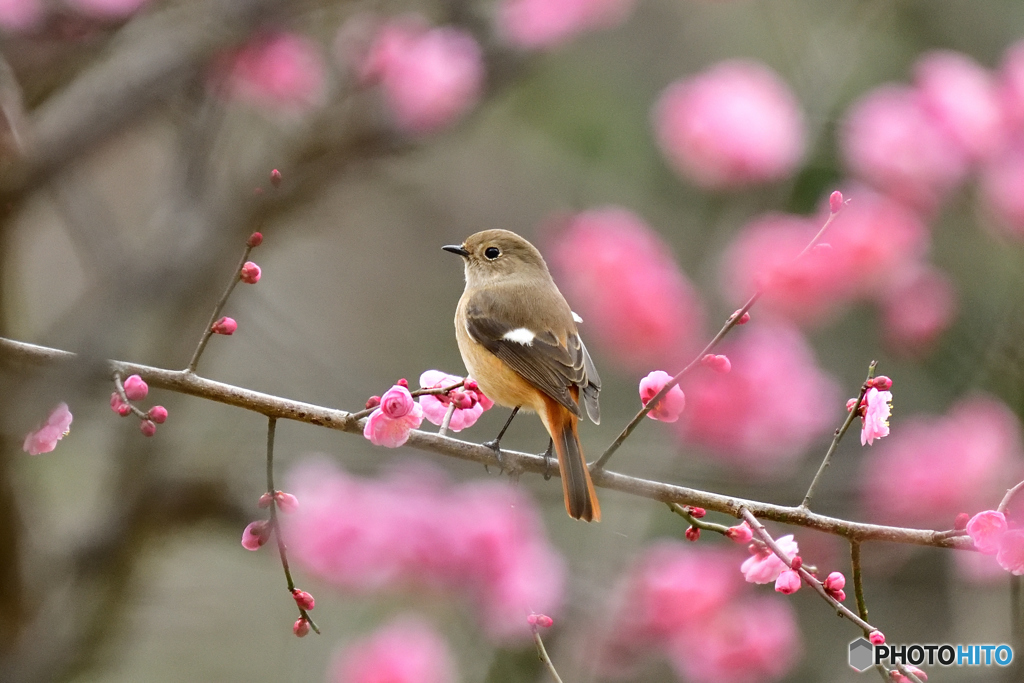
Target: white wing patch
{"points": [[520, 335], [577, 318]]}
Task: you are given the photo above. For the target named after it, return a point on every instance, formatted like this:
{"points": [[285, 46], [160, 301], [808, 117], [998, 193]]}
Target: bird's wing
{"points": [[538, 355]]}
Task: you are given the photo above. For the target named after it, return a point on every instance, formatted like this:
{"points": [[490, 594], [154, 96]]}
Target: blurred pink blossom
{"points": [[669, 407], [986, 529], [431, 77], [898, 677], [622, 279], [538, 24], [44, 439], [407, 650], [932, 465], [876, 416], [20, 15], [1011, 86], [435, 406], [283, 72], [764, 566], [107, 9], [390, 423], [1011, 552], [733, 125], [1000, 185], [753, 641], [920, 305], [747, 418], [962, 97], [890, 140], [412, 529]]}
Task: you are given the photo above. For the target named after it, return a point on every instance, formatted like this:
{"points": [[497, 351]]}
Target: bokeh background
{"points": [[136, 154]]}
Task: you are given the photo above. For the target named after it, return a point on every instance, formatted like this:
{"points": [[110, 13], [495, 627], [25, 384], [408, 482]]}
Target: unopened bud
{"points": [[372, 402], [796, 563], [301, 627], [286, 502], [835, 201], [250, 273], [255, 239], [834, 581], [471, 385], [403, 383], [265, 500], [542, 620], [741, 533], [116, 403], [225, 326], [148, 428], [303, 599], [692, 534], [158, 414], [882, 383], [697, 512], [839, 595], [876, 638], [124, 410], [135, 388], [275, 178], [718, 363], [960, 523], [743, 319]]}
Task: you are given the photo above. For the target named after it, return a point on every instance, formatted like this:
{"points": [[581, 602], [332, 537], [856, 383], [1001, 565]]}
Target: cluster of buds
{"points": [[541, 620], [257, 533], [136, 389], [834, 584], [881, 383]]}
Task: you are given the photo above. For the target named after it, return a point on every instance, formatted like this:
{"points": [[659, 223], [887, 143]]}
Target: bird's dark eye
{"points": [[492, 253]]}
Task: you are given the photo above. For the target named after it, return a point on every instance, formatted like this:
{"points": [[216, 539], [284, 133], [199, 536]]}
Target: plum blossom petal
{"points": [[987, 529], [876, 418], [669, 407], [764, 566], [1011, 552], [471, 403], [45, 438], [389, 425]]}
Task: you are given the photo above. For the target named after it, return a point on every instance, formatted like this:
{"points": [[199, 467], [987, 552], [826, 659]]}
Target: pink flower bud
{"points": [[835, 201], [124, 410], [158, 414], [255, 535], [877, 638], [135, 388], [148, 428], [719, 364], [788, 582], [692, 534], [225, 325], [301, 627], [741, 533], [960, 523], [250, 273], [743, 319], [471, 385], [396, 402], [255, 239], [796, 563], [286, 502], [403, 383], [697, 512], [834, 582], [303, 599], [265, 500], [882, 383], [839, 595], [116, 404], [851, 404], [275, 178], [542, 620], [372, 402]]}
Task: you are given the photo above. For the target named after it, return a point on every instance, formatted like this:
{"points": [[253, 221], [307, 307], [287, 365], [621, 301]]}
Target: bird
{"points": [[519, 341]]}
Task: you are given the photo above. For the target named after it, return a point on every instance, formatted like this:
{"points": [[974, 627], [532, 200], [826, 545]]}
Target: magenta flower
{"points": [[669, 407], [835, 581], [470, 402], [407, 650], [539, 24], [788, 582], [733, 125], [764, 566], [135, 388], [44, 439], [158, 414], [398, 414], [876, 417], [987, 529]]}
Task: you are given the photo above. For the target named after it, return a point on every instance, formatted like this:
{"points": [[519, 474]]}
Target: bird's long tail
{"points": [[577, 487]]}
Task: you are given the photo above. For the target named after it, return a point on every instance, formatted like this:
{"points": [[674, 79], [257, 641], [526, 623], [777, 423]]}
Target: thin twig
{"points": [[839, 436], [696, 521], [542, 654], [447, 419], [858, 580], [436, 391], [119, 386], [1005, 502], [208, 332], [729, 324]]}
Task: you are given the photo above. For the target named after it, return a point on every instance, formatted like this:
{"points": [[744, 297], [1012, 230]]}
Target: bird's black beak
{"points": [[456, 249]]}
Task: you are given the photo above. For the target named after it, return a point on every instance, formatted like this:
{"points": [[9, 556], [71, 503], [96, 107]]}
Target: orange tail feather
{"points": [[577, 487]]}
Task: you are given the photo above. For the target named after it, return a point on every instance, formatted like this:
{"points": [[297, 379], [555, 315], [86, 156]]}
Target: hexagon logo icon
{"points": [[862, 654]]}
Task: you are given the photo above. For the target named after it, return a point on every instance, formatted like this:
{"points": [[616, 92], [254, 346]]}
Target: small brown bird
{"points": [[518, 338]]}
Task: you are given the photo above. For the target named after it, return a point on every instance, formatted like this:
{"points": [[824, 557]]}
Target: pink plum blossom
{"points": [[733, 125], [987, 529], [1011, 552], [539, 24], [406, 650], [1011, 86], [876, 416], [746, 419], [44, 439], [753, 641], [935, 464], [435, 406], [669, 407], [281, 71], [890, 140], [414, 530], [398, 414], [431, 77], [961, 96], [764, 566], [1000, 189], [636, 302], [250, 273], [920, 305], [107, 9]]}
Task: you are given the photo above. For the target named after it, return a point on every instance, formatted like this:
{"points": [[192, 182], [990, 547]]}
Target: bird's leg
{"points": [[547, 459], [494, 444]]}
